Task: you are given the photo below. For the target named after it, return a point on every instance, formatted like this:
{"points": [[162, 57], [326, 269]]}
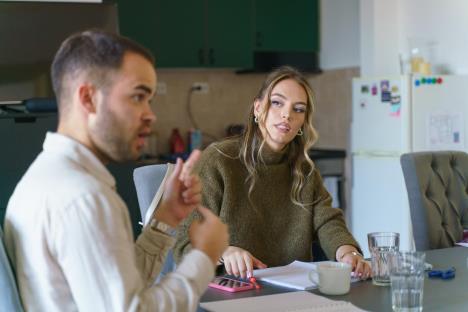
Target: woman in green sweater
{"points": [[266, 188]]}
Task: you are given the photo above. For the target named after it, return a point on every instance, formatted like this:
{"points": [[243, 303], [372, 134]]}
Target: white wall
{"points": [[445, 25], [379, 28], [339, 34], [388, 25]]}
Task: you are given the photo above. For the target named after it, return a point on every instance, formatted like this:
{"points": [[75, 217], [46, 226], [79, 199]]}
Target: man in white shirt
{"points": [[67, 231]]}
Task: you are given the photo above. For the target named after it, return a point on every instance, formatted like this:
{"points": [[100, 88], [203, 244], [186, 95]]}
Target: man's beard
{"points": [[110, 139]]}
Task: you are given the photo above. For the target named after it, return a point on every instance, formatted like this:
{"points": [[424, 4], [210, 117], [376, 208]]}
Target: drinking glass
{"points": [[407, 281], [381, 244]]}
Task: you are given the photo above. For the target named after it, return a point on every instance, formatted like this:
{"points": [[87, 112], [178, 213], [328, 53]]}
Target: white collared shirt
{"points": [[69, 237]]}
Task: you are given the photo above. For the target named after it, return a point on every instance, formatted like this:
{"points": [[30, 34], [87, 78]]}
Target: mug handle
{"points": [[314, 277]]}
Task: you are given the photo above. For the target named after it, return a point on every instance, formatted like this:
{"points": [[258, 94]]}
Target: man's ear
{"points": [[87, 97]]}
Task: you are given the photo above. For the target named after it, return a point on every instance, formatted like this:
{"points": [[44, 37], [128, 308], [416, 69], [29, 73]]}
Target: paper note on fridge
{"points": [[294, 275]]}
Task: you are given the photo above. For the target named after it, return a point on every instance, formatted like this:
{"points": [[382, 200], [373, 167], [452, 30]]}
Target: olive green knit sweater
{"points": [[273, 229]]}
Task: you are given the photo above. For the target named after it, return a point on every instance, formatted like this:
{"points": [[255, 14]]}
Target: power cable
{"points": [[212, 138]]}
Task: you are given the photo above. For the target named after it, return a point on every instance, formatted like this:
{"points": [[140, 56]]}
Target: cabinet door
{"points": [[171, 29], [229, 29], [291, 25]]}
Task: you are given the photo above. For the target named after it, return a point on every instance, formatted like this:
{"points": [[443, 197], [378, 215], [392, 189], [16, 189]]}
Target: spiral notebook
{"points": [[300, 301]]}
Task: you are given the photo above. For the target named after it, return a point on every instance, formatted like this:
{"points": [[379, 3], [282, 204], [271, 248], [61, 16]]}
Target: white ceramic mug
{"points": [[332, 278]]}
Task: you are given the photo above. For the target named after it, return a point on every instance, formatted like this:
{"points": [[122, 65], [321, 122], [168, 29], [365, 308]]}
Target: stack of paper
{"points": [[294, 275], [300, 301]]}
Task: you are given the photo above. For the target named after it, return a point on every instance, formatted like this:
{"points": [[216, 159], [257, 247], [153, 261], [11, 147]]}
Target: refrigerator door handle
{"points": [[377, 154]]}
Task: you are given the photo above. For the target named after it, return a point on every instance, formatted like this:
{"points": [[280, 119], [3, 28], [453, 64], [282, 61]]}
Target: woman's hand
{"points": [[240, 262], [360, 267]]}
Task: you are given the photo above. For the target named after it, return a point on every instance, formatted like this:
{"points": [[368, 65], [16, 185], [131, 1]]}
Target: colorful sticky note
{"points": [[395, 110]]}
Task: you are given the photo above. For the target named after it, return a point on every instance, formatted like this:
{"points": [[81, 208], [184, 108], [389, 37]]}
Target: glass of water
{"points": [[407, 280], [381, 245]]}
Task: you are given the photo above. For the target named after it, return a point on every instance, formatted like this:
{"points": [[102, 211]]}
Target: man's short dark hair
{"points": [[95, 52]]}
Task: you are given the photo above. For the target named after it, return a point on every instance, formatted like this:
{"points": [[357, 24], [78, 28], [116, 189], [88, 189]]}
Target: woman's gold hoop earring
{"points": [[300, 132], [255, 119]]}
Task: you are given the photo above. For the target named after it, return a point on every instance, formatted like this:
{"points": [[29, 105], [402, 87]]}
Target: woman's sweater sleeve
{"points": [[329, 223], [210, 175]]}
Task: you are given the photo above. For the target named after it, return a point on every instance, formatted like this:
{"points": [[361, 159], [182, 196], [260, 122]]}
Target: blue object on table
{"points": [[447, 274]]}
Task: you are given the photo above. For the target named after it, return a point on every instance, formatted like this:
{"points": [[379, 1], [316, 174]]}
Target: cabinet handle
{"points": [[211, 56], [258, 39], [201, 57]]}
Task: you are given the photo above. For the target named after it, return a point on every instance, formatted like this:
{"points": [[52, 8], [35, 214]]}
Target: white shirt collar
{"points": [[60, 144]]}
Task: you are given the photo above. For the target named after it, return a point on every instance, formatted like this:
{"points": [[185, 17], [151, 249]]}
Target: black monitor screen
{"points": [[30, 34]]}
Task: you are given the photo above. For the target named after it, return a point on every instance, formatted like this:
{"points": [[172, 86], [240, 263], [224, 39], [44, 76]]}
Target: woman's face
{"points": [[286, 114]]}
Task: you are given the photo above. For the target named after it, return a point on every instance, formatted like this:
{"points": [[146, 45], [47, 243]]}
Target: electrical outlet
{"points": [[161, 88], [201, 87]]}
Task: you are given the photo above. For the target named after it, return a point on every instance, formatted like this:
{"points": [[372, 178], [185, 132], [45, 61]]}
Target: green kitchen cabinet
{"points": [[291, 25], [172, 30], [220, 33], [229, 34], [191, 33]]}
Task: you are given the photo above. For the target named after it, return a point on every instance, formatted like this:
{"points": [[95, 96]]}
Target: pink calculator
{"points": [[229, 284]]}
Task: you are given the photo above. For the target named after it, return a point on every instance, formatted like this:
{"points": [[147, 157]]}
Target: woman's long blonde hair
{"points": [[252, 141]]}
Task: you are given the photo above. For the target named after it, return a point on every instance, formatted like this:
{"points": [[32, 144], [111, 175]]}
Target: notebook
{"points": [[294, 275]]}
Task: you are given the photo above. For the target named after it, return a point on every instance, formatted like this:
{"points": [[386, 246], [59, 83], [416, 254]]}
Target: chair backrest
{"points": [[147, 180], [9, 298], [437, 184]]}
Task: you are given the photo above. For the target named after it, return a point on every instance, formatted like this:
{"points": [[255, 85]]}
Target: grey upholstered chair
{"points": [[9, 298], [437, 185], [147, 182]]}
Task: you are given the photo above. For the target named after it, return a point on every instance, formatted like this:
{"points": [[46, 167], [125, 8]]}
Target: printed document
{"points": [[299, 301]]}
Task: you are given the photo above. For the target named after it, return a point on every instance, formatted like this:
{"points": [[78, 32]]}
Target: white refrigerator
{"points": [[392, 116]]}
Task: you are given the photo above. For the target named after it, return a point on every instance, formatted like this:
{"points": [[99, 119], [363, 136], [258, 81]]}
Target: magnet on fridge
{"points": [[374, 89], [439, 80], [386, 96], [384, 85], [456, 137], [365, 89], [394, 89], [396, 99], [363, 104], [417, 82]]}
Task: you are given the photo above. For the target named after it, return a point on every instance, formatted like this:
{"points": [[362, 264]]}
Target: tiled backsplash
{"points": [[230, 96], [227, 102]]}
